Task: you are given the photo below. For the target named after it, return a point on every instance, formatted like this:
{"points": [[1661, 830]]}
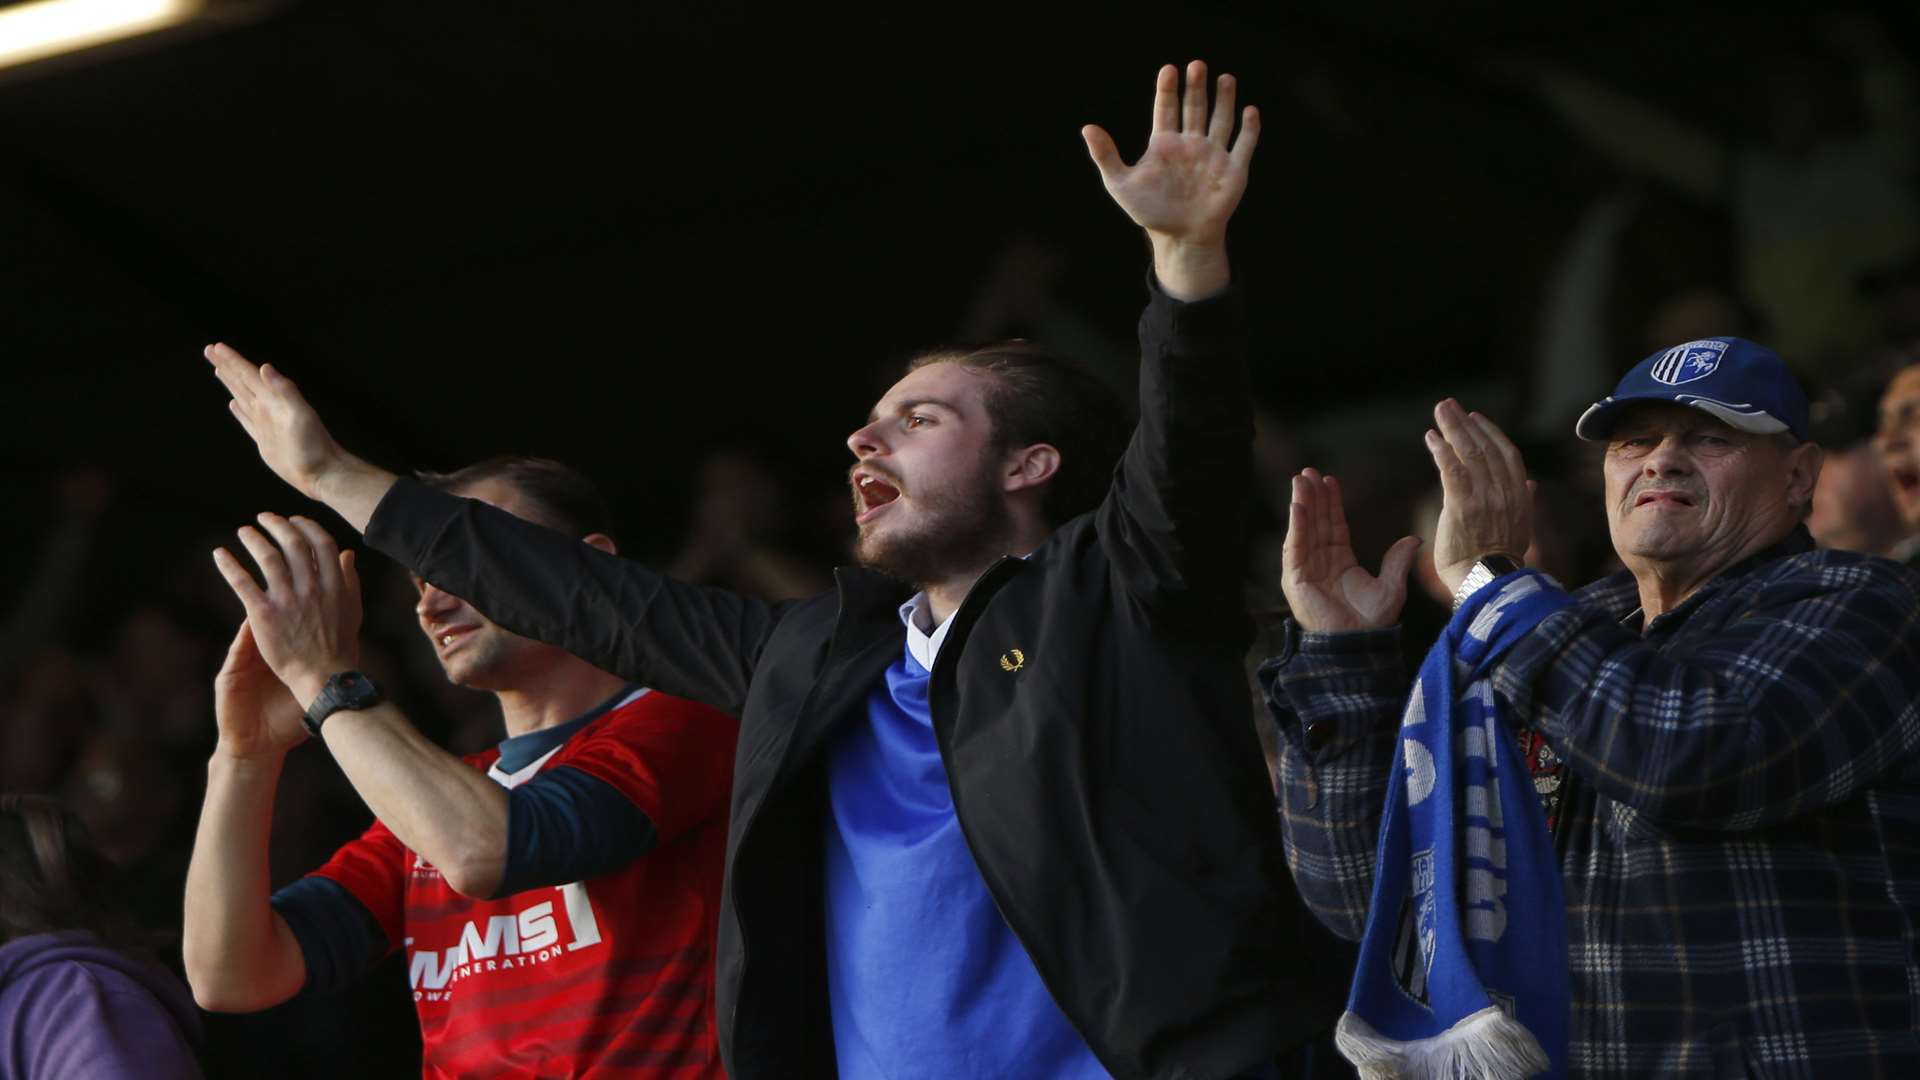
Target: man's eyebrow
{"points": [[917, 403]]}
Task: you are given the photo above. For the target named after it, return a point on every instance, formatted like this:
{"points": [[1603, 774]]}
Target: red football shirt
{"points": [[607, 977]]}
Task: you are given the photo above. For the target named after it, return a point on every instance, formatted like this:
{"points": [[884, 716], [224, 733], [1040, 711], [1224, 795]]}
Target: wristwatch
{"points": [[347, 690], [1485, 569]]}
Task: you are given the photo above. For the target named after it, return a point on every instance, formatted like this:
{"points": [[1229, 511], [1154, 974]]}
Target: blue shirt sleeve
{"points": [[337, 934], [565, 825]]}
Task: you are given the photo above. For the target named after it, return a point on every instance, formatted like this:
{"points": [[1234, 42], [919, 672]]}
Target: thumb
{"points": [[243, 648], [1399, 560], [1105, 155], [348, 575]]}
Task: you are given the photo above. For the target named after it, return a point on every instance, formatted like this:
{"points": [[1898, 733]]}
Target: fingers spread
{"points": [[1193, 114], [273, 567], [299, 553], [1249, 135], [1166, 100], [1105, 155], [243, 586], [326, 554], [1220, 128]]}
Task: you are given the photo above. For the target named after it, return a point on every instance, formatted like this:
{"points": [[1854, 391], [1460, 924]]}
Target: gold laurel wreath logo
{"points": [[1013, 660]]}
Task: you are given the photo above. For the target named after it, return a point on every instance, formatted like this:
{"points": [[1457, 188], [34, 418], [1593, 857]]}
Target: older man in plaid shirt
{"points": [[1725, 736]]}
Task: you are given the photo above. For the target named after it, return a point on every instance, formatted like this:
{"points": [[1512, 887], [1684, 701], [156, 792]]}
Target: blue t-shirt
{"points": [[925, 977]]}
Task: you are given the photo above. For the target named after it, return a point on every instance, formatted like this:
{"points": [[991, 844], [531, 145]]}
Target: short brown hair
{"points": [[1039, 396], [562, 497]]}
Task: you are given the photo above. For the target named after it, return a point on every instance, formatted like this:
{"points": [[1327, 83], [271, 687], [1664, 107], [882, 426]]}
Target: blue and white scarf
{"points": [[1463, 968]]}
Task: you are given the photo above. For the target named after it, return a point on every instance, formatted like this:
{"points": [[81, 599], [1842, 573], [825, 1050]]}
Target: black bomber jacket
{"points": [[1090, 708]]}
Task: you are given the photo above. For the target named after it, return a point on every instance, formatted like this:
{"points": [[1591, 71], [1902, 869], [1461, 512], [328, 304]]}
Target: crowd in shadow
{"points": [[107, 662]]}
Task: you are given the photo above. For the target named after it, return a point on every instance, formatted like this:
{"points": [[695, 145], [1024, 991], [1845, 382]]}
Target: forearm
{"points": [[240, 955], [1179, 500], [1336, 699], [1190, 269], [352, 488], [1790, 708], [1330, 824], [688, 641], [447, 812]]}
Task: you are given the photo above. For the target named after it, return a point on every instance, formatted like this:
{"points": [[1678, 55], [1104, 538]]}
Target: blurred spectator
{"points": [[1898, 441], [1853, 505], [77, 999], [1853, 508], [741, 525]]}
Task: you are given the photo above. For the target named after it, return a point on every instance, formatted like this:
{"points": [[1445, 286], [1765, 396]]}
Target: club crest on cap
{"points": [[1685, 363]]}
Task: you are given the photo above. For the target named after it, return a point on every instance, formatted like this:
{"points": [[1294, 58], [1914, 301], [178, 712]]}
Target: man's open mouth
{"points": [[870, 494], [1906, 482]]}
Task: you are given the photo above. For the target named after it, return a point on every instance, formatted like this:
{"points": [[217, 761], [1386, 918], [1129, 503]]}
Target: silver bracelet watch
{"points": [[1484, 570]]}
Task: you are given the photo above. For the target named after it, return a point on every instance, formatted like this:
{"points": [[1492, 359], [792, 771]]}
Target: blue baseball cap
{"points": [[1746, 386]]}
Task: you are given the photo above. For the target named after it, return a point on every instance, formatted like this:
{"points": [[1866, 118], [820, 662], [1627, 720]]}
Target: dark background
{"points": [[624, 234]]}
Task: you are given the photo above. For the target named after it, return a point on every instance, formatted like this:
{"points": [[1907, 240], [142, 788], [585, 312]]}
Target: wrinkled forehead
{"points": [[956, 387]]}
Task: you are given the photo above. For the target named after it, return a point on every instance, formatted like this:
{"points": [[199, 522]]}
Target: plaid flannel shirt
{"points": [[1739, 829]]}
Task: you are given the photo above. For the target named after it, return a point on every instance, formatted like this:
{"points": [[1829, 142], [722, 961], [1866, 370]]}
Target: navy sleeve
{"points": [[564, 825], [337, 934]]}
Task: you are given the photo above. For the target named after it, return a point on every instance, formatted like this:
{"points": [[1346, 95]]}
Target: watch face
{"points": [[355, 691]]}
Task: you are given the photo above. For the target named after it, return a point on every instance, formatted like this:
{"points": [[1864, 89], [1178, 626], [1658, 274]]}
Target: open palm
{"points": [[1326, 588], [1194, 172]]}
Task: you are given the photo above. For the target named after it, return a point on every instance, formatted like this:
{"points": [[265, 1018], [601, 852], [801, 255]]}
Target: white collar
{"points": [[923, 638]]}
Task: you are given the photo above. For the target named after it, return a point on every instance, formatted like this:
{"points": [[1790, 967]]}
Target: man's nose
{"points": [[433, 601], [865, 442], [1668, 458]]}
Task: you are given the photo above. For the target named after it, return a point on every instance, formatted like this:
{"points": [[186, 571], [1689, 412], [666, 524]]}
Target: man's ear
{"points": [[1030, 466], [601, 541], [1803, 472]]}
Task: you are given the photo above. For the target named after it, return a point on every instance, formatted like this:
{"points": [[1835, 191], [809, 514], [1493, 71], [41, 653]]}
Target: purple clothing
{"points": [[70, 1005]]}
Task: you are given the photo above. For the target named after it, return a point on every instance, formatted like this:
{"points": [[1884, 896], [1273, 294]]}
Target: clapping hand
{"points": [[1326, 588], [306, 620], [1486, 505]]}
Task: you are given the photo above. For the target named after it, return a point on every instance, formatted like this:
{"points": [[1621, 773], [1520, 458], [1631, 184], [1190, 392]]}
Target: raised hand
{"points": [[1486, 505], [256, 713], [1326, 587], [1185, 187], [1191, 178], [292, 440], [306, 621]]}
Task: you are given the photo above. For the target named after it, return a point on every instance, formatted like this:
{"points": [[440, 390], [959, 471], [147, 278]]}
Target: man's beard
{"points": [[958, 531]]}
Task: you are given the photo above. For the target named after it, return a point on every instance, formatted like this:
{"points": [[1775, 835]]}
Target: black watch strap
{"points": [[346, 690]]}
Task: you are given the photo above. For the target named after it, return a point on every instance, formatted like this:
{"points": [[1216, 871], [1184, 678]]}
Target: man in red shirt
{"points": [[556, 897]]}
